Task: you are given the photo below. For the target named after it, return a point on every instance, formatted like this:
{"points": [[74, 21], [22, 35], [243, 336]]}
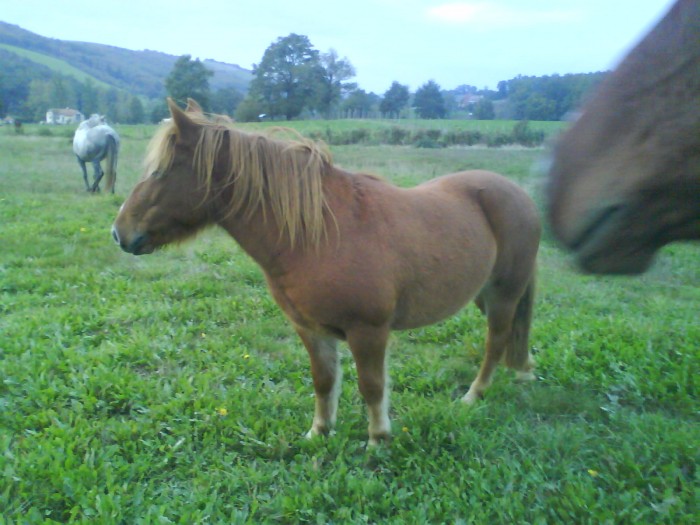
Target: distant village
{"points": [[54, 116]]}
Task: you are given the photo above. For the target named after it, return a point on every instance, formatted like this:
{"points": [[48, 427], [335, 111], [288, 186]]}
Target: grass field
{"points": [[170, 389]]}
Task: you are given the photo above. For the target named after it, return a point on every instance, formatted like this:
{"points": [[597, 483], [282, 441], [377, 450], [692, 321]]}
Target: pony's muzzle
{"points": [[135, 246]]}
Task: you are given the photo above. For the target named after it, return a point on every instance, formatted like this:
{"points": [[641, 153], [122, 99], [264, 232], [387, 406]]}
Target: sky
{"points": [[410, 41]]}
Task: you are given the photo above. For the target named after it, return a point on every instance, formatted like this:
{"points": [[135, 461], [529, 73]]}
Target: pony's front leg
{"points": [[98, 175], [368, 346], [327, 374]]}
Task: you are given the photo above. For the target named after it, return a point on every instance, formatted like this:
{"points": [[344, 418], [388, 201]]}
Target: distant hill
{"points": [[138, 72]]}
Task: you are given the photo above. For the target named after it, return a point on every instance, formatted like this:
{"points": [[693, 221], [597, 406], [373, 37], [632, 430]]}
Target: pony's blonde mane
{"points": [[263, 172]]}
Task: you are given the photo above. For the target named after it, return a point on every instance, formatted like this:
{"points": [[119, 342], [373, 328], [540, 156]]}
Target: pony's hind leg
{"points": [[518, 356], [500, 320], [368, 347], [327, 374], [508, 334]]}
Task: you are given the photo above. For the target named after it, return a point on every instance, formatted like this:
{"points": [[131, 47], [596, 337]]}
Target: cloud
{"points": [[491, 14]]}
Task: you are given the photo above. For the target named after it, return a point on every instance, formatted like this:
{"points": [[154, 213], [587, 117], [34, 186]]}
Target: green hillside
{"points": [[139, 72], [57, 65]]}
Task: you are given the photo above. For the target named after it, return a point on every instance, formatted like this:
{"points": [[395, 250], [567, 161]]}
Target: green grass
{"points": [[170, 389]]}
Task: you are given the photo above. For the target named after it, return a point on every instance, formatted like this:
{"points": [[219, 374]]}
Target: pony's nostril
{"points": [[136, 244], [115, 235]]}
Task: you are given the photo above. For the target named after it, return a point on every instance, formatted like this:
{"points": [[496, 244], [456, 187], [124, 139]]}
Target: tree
{"points": [[484, 110], [226, 100], [395, 99], [249, 109], [88, 98], [15, 78], [548, 97], [333, 81], [109, 104], [502, 90], [189, 78], [429, 102], [359, 103], [61, 95], [287, 76], [38, 99], [159, 111], [136, 114]]}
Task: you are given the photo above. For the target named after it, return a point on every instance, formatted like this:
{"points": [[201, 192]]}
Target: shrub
{"points": [[347, 137], [462, 137], [394, 136], [497, 140], [522, 134]]}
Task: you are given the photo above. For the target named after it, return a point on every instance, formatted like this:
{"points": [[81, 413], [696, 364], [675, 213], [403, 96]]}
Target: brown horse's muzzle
{"points": [[137, 245]]}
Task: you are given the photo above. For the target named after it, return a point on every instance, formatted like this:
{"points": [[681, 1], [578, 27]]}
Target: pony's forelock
{"points": [[161, 150]]}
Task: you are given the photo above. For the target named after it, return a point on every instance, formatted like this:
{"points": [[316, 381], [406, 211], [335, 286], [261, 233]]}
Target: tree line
{"points": [[293, 80]]}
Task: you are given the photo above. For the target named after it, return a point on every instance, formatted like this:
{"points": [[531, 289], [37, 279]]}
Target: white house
{"points": [[64, 116]]}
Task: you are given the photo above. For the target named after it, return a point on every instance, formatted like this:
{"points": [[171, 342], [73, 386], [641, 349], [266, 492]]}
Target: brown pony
{"points": [[346, 256], [625, 178]]}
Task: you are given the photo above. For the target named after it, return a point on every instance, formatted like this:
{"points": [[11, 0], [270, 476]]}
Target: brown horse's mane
{"points": [[282, 175]]}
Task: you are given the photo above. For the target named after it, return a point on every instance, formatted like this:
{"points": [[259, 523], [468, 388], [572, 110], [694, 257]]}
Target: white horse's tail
{"points": [[111, 164]]}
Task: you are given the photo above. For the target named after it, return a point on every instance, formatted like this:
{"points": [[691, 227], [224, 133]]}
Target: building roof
{"points": [[66, 112]]}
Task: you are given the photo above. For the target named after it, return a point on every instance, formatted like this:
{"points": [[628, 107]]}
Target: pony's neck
{"points": [[257, 234], [263, 239]]}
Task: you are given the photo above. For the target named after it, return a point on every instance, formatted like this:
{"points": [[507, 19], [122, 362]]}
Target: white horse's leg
{"points": [[98, 175], [85, 175]]}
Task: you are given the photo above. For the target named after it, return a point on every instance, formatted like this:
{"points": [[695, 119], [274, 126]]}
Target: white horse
{"points": [[93, 142]]}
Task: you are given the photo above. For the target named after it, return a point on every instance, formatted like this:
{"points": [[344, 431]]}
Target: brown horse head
{"points": [[625, 178], [200, 169], [170, 203]]}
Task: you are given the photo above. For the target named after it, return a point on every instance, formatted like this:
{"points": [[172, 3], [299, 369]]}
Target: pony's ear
{"points": [[193, 107], [187, 131]]}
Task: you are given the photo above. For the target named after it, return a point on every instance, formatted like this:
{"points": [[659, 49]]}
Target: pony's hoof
{"points": [[375, 442], [312, 434], [524, 377], [472, 397], [378, 439], [317, 431]]}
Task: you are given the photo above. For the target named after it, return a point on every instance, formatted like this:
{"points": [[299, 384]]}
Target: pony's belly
{"points": [[430, 305], [419, 319]]}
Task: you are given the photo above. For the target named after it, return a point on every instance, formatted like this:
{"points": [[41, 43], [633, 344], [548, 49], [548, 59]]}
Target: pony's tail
{"points": [[518, 349], [111, 164]]}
